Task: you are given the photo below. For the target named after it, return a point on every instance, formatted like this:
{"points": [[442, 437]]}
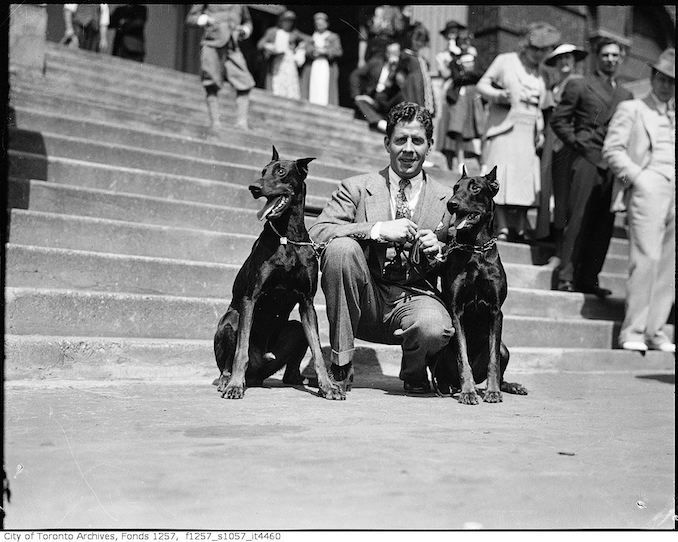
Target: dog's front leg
{"points": [[235, 389], [493, 393], [309, 321], [468, 395]]}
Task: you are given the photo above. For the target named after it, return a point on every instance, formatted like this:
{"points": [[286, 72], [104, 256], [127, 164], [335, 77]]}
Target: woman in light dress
{"points": [[516, 91], [284, 52]]}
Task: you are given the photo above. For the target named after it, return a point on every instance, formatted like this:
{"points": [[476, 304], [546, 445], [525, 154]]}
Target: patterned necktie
{"points": [[402, 209]]}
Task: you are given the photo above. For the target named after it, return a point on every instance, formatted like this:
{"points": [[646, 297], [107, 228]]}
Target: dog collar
{"points": [[478, 249], [317, 247]]}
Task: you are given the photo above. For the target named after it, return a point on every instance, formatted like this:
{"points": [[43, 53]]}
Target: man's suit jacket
{"points": [[363, 200], [628, 144], [581, 118], [364, 80]]}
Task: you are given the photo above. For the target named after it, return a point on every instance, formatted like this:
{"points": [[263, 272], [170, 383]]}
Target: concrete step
{"points": [[76, 173], [144, 101], [619, 249], [29, 357], [44, 229], [51, 144], [58, 54], [31, 311], [118, 237], [41, 267], [33, 109], [53, 198], [163, 117]]}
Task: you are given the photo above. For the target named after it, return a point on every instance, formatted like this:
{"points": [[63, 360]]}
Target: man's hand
{"points": [[398, 231], [430, 245]]}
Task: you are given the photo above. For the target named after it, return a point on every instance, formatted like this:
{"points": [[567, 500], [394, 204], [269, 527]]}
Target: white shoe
{"points": [[665, 347], [637, 346]]}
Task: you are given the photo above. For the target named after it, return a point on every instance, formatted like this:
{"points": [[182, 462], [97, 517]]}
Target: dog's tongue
{"points": [[266, 209], [461, 224]]}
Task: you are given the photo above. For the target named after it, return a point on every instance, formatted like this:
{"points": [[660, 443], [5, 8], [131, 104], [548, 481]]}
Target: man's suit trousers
{"points": [[589, 227], [650, 289], [360, 307]]}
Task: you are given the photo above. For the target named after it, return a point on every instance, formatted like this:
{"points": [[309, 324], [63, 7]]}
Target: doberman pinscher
{"points": [[254, 339], [474, 288]]}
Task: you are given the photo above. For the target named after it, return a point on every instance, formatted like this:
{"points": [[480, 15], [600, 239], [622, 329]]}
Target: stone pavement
{"points": [[585, 449]]}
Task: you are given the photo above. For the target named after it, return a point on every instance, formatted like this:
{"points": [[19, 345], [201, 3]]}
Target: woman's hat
{"points": [[451, 25], [565, 48], [666, 63]]}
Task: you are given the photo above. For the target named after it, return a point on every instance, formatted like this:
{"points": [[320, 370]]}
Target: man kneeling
{"points": [[371, 224]]}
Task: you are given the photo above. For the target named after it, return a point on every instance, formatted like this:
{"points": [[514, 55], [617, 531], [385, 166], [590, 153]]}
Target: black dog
{"points": [[254, 339], [474, 289]]}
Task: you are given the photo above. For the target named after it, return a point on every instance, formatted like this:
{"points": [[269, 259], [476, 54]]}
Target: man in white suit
{"points": [[640, 150]]}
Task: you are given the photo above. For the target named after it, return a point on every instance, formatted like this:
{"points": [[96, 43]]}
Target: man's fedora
{"points": [[564, 49], [666, 63]]}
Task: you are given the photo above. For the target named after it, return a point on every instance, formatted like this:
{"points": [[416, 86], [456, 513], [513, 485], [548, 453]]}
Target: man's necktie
{"points": [[402, 209]]}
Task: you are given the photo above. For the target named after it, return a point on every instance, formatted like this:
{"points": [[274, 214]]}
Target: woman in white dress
{"points": [[516, 91]]}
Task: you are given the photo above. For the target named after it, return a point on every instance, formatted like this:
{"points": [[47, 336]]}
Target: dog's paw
{"points": [[333, 392], [222, 382], [468, 398], [514, 388], [234, 391], [492, 397]]}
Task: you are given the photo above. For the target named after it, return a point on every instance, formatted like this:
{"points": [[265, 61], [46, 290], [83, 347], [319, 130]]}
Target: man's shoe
{"points": [[417, 388], [666, 346], [635, 346], [565, 286], [595, 290]]}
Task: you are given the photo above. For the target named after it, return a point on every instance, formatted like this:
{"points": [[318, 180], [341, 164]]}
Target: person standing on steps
{"points": [[580, 120], [221, 58], [640, 148], [86, 26]]}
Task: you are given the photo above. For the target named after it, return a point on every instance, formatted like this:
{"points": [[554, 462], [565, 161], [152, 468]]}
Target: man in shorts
{"points": [[220, 56]]}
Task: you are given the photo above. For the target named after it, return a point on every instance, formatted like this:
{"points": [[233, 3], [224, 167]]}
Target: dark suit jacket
{"points": [[364, 80], [580, 120], [363, 200]]}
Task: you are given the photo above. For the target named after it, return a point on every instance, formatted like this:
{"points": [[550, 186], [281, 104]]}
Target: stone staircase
{"points": [[128, 223]]}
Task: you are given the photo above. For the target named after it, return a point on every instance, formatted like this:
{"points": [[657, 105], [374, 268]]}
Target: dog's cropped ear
{"points": [[463, 171], [275, 154], [491, 177], [302, 164]]}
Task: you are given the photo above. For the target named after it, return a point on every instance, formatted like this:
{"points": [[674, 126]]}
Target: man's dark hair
{"points": [[407, 112], [604, 41]]}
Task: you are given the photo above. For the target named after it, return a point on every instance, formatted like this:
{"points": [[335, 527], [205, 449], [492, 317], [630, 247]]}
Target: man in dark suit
{"points": [[372, 289], [580, 121], [374, 89]]}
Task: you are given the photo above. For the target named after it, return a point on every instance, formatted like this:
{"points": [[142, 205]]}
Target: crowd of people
{"points": [[575, 148]]}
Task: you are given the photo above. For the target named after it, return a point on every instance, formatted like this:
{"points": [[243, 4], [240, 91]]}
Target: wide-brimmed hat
{"points": [[451, 25], [564, 49], [288, 14], [666, 63], [542, 35]]}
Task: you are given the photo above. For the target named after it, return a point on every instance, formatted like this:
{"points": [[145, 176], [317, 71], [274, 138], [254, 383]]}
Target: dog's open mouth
{"points": [[467, 220], [274, 207]]}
